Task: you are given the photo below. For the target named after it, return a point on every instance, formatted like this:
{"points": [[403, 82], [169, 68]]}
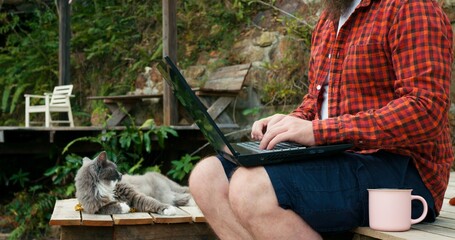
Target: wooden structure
{"points": [[221, 89], [188, 223], [64, 37], [442, 229], [121, 105], [217, 93], [170, 116], [56, 102]]}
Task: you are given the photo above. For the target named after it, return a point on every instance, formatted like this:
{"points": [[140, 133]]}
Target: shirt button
{"points": [[318, 87]]}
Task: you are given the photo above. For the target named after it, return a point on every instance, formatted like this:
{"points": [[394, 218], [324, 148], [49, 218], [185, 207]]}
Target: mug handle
{"points": [[425, 209]]}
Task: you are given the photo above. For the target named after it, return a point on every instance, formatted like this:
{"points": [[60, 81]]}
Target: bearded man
{"points": [[379, 77]]}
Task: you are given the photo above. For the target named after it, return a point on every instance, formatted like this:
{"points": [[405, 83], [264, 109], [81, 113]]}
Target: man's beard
{"points": [[336, 7]]}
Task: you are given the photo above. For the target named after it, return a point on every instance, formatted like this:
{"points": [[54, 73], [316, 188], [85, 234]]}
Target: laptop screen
{"points": [[195, 108]]}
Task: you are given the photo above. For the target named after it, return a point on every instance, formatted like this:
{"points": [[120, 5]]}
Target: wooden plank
{"points": [[448, 212], [224, 84], [450, 192], [64, 39], [239, 70], [137, 218], [442, 221], [227, 79], [435, 229], [118, 113], [216, 108], [180, 217], [64, 213], [84, 232], [412, 234], [195, 213], [452, 176], [179, 231], [169, 11], [219, 106], [366, 231], [125, 97], [100, 220]]}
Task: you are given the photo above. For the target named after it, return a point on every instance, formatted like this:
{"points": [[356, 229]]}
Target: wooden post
{"points": [[64, 42], [169, 49]]}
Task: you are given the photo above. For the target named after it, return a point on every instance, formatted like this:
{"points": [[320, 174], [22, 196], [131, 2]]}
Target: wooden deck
{"points": [[189, 223], [442, 229]]}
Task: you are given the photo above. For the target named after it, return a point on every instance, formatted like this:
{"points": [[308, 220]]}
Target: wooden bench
{"points": [[189, 223], [442, 229], [221, 89], [121, 105]]}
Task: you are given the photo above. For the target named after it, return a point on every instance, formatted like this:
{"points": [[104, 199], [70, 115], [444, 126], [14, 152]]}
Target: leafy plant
{"points": [[20, 177], [181, 168], [126, 147], [27, 60], [27, 211], [64, 174]]}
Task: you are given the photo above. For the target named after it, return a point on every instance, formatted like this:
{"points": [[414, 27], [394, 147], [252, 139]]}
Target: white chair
{"points": [[58, 101]]}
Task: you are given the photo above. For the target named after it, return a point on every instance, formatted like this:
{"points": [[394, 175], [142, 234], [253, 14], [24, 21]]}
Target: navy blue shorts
{"points": [[331, 195]]}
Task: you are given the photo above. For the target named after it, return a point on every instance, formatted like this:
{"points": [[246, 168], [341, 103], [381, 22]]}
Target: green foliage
{"points": [[181, 168], [27, 61], [251, 111], [126, 147], [27, 211], [20, 178], [63, 175], [112, 41]]}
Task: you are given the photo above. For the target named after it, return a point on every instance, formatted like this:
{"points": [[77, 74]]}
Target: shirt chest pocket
{"points": [[368, 70]]}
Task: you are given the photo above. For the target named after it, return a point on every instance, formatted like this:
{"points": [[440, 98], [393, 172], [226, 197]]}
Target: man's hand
{"points": [[281, 128]]}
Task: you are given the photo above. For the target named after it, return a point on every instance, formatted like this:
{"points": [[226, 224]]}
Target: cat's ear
{"points": [[86, 160], [102, 158]]}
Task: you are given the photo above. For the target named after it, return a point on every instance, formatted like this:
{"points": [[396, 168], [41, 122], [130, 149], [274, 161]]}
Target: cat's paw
{"points": [[124, 207], [170, 211]]}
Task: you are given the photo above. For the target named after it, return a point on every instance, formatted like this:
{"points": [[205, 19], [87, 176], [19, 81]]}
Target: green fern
{"points": [[18, 95], [5, 98]]}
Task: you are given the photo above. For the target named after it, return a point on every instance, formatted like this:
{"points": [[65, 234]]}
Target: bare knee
{"points": [[251, 194], [207, 178]]}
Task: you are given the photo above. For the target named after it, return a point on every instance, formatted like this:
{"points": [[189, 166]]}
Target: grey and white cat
{"points": [[101, 189]]}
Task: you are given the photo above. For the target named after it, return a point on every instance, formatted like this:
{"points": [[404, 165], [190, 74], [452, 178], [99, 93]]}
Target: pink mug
{"points": [[390, 209]]}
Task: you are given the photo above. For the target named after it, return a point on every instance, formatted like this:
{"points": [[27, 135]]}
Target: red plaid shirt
{"points": [[389, 84]]}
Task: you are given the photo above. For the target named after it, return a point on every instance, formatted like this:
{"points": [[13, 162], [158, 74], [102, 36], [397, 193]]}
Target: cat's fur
{"points": [[101, 189]]}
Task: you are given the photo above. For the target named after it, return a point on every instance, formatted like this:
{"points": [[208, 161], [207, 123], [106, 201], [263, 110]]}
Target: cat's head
{"points": [[106, 170], [100, 170], [95, 182]]}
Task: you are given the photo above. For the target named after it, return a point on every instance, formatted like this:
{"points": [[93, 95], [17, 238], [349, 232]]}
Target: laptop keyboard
{"points": [[254, 146]]}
